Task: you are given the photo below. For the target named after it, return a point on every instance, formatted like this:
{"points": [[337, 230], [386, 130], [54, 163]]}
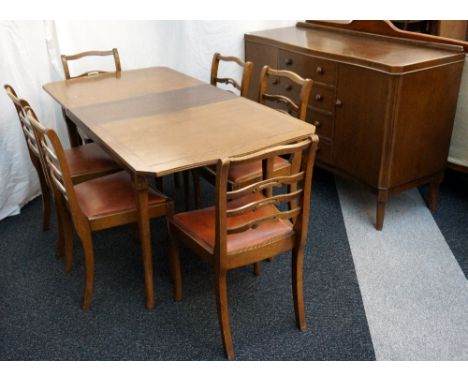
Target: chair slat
{"points": [[275, 182], [300, 107], [275, 200], [254, 223], [229, 81], [281, 99], [243, 87]]}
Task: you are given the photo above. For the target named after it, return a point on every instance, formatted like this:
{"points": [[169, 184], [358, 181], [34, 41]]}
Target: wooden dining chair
{"points": [[94, 205], [85, 162], [33, 151], [244, 174], [247, 67], [250, 224], [243, 88], [76, 136], [95, 53]]}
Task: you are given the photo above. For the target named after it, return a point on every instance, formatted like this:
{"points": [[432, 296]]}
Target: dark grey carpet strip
{"points": [[41, 320], [452, 215]]}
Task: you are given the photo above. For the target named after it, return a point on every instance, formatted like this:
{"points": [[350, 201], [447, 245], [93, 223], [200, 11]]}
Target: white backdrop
{"points": [[30, 56]]}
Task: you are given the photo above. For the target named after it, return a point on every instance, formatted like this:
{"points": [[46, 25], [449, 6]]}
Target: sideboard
{"points": [[383, 106]]}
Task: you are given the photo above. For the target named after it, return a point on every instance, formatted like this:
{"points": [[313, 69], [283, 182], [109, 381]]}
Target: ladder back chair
{"points": [[34, 154], [243, 174], [95, 53], [250, 224], [93, 205], [243, 89], [288, 105], [247, 67], [75, 137]]}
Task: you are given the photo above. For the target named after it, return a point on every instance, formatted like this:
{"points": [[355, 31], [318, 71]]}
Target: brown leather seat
{"points": [[241, 173], [89, 159], [110, 194], [201, 224]]}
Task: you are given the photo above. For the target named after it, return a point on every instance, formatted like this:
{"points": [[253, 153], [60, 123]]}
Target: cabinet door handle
{"points": [[318, 97], [338, 103], [288, 61], [288, 88], [319, 70], [317, 124]]}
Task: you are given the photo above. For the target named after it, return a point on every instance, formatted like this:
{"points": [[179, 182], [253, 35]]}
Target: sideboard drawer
{"points": [[311, 67], [322, 97], [322, 122]]}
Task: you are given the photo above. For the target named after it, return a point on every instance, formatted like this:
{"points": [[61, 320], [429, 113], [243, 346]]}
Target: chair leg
{"points": [[60, 250], [297, 288], [67, 227], [186, 189], [223, 313], [174, 263], [196, 189], [87, 242], [257, 268], [46, 203]]}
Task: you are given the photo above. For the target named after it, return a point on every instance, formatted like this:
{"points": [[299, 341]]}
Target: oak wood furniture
{"points": [[73, 131], [85, 162], [394, 98], [243, 87], [95, 53], [34, 155], [458, 153], [245, 226], [94, 205], [157, 121], [244, 174]]}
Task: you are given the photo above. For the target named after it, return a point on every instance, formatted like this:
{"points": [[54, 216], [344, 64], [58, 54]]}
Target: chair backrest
{"points": [[296, 196], [77, 56], [299, 108], [243, 87], [28, 132], [54, 162]]}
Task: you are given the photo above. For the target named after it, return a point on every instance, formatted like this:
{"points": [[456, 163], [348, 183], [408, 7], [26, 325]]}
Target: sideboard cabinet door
{"points": [[362, 109]]}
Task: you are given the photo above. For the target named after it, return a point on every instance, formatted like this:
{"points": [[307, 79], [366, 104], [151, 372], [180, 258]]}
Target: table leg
{"points": [[141, 188], [73, 136]]}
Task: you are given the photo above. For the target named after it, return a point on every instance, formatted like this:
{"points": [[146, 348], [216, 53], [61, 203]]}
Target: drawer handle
{"points": [[288, 88], [318, 97], [338, 103], [317, 124], [288, 61], [319, 70], [275, 81]]}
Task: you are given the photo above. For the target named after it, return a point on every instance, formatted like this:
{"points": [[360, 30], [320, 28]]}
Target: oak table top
{"points": [[159, 121]]}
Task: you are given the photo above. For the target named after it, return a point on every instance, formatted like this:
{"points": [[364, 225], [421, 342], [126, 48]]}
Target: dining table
{"points": [[157, 121]]}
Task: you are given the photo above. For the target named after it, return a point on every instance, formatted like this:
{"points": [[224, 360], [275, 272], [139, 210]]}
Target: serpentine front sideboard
{"points": [[383, 106]]}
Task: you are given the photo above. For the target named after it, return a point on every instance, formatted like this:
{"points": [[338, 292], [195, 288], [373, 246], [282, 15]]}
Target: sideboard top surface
{"points": [[382, 53]]}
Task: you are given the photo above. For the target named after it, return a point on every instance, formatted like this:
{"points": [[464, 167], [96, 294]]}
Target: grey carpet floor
{"points": [[415, 293], [40, 317]]}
